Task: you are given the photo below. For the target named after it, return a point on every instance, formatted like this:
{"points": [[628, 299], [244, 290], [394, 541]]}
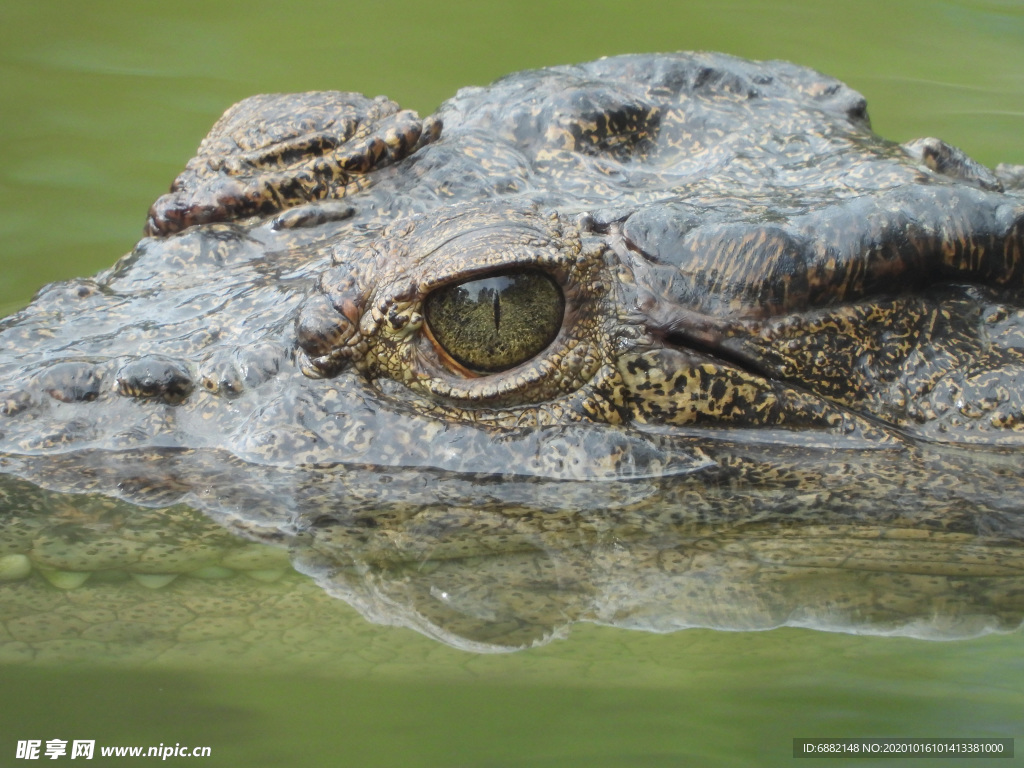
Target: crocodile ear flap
{"points": [[273, 152]]}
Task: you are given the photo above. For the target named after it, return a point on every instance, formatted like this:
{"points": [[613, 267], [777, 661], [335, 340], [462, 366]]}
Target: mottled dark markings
{"points": [[700, 280]]}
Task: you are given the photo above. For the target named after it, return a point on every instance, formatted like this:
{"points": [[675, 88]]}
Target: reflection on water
{"points": [[243, 654], [487, 564]]}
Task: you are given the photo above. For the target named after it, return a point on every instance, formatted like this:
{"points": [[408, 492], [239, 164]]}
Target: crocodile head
{"points": [[583, 304], [650, 244]]}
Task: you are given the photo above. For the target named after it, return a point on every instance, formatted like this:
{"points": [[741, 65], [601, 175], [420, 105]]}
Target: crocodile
{"points": [[678, 334]]}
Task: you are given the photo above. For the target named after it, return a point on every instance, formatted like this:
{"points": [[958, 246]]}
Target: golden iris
{"points": [[494, 323]]}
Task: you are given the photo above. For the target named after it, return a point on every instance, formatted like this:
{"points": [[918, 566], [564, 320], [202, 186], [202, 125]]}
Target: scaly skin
{"points": [[779, 340]]}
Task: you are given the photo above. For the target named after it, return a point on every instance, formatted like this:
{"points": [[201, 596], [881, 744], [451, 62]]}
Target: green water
{"points": [[602, 698], [101, 105]]}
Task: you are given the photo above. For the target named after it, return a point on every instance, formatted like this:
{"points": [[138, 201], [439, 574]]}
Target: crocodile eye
{"points": [[494, 323]]}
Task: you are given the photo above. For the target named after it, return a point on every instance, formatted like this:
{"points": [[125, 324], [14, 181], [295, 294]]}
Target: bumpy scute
{"points": [[272, 152]]}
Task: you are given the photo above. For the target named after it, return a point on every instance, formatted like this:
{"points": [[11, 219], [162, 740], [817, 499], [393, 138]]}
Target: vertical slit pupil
{"points": [[495, 322]]}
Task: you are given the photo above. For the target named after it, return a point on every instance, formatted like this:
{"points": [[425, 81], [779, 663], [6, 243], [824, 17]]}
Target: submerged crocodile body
{"points": [[608, 325]]}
